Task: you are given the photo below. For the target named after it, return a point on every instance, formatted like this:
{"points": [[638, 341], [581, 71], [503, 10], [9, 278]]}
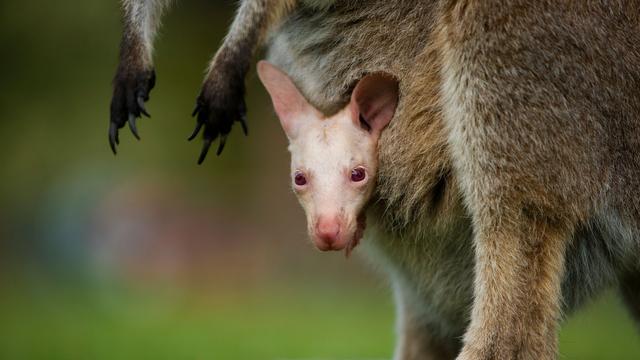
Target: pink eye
{"points": [[358, 174], [299, 179]]}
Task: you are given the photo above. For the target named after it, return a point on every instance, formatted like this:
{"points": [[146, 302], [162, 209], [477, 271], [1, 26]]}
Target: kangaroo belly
{"points": [[430, 267]]}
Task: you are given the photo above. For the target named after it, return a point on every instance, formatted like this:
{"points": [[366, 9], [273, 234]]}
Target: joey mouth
{"points": [[357, 236], [331, 235]]}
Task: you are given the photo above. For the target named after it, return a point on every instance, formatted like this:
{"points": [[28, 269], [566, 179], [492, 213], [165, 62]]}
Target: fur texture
{"points": [[334, 159], [509, 180], [523, 128]]}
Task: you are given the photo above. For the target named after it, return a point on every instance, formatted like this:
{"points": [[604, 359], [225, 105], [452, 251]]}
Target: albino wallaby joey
{"points": [[333, 159], [508, 182]]}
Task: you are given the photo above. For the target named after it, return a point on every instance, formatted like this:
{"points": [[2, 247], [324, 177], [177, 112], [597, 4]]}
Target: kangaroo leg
{"points": [[526, 186], [517, 294], [221, 100], [135, 76], [417, 340]]}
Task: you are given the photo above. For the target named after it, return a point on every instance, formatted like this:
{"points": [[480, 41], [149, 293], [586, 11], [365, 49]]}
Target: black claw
{"points": [[143, 110], [132, 126], [196, 110], [113, 133], [205, 149], [131, 88], [195, 131], [243, 123], [223, 141], [243, 118], [217, 109]]}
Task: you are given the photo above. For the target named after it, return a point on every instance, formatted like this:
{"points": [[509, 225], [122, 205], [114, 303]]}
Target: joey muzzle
{"points": [[336, 233]]}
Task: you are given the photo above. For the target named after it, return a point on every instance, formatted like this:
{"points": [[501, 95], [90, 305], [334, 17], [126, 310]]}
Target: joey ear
{"points": [[287, 100], [374, 101]]}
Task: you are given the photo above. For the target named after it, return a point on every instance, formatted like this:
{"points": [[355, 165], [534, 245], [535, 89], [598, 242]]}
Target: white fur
{"points": [[326, 150]]}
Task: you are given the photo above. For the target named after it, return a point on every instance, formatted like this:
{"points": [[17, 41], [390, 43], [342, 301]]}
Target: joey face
{"points": [[333, 159], [333, 167]]}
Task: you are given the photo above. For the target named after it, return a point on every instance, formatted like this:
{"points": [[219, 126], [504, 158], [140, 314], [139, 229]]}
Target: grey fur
{"points": [[428, 251]]}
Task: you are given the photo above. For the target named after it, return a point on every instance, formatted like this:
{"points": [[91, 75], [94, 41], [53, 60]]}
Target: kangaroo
{"points": [[508, 180], [423, 225]]}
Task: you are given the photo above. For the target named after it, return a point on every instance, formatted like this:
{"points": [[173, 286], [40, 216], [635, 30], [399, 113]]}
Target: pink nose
{"points": [[327, 232]]}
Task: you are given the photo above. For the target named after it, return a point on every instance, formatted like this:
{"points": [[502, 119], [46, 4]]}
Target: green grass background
{"points": [[124, 323]]}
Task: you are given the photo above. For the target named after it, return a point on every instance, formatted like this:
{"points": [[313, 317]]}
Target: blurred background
{"points": [[147, 255]]}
